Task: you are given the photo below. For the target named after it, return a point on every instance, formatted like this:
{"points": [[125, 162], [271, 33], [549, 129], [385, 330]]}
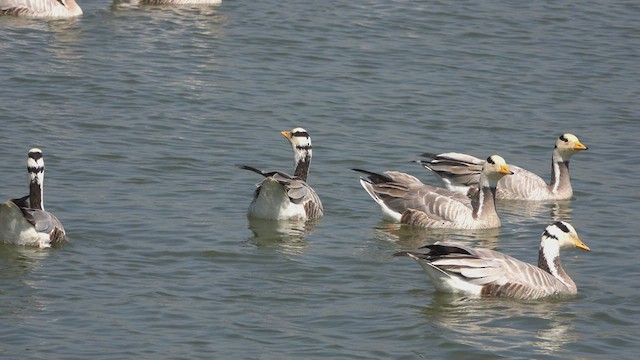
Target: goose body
{"points": [[281, 196], [40, 8], [456, 268], [405, 199], [24, 221], [460, 172]]}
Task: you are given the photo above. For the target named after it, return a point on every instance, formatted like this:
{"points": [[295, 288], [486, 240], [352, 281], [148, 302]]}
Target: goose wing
{"points": [[496, 273], [523, 184], [19, 7], [438, 202], [458, 172], [26, 226], [400, 192], [22, 202], [45, 222], [298, 191], [461, 173]]}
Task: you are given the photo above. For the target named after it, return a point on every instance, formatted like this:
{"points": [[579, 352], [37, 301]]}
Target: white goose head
{"points": [[494, 169], [567, 145], [559, 235], [35, 167], [302, 151]]}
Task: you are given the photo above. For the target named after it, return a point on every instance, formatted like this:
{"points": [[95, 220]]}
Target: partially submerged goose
{"points": [[456, 268], [24, 221], [405, 199], [281, 196], [40, 8], [461, 172]]}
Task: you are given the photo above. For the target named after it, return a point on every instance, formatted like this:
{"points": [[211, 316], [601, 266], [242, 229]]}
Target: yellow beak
{"points": [[504, 169], [286, 134], [581, 245], [579, 146]]}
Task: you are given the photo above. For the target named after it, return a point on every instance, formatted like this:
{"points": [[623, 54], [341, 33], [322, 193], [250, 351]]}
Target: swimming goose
{"points": [[456, 268], [40, 8], [281, 196], [460, 172], [405, 199], [24, 221]]}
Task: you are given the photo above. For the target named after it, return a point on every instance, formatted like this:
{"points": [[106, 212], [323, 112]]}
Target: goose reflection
{"points": [[19, 260], [519, 212], [286, 236], [503, 324], [411, 237], [16, 263], [126, 3]]}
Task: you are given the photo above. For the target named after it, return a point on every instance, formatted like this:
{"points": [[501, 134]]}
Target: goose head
{"points": [[564, 235], [35, 168], [300, 142], [495, 168], [302, 151], [568, 144], [559, 235]]}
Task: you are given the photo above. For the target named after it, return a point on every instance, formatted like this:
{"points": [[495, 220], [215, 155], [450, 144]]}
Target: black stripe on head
{"points": [[490, 160], [35, 155], [563, 138], [306, 147], [549, 235], [562, 226], [300, 134], [35, 170]]}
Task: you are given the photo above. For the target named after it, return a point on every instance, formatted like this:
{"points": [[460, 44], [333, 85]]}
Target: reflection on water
{"points": [[484, 323], [288, 236], [16, 260], [16, 263], [126, 4], [58, 36], [518, 212], [411, 237]]}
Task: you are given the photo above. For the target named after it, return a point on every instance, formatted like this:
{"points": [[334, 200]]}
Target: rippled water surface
{"points": [[142, 113]]}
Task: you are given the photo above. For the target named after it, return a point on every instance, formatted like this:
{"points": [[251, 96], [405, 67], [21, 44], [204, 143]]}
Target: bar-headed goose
{"points": [[24, 221], [456, 268], [405, 199], [281, 196], [40, 8], [461, 172]]}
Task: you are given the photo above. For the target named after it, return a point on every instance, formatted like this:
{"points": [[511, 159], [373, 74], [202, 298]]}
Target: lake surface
{"points": [[142, 113]]}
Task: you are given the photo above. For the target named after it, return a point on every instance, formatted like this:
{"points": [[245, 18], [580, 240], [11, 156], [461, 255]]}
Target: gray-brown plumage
{"points": [[281, 196], [461, 173], [24, 221], [457, 268], [405, 199], [40, 8]]}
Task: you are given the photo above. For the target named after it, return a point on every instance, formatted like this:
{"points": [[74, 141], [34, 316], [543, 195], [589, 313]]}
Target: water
{"points": [[142, 113]]}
